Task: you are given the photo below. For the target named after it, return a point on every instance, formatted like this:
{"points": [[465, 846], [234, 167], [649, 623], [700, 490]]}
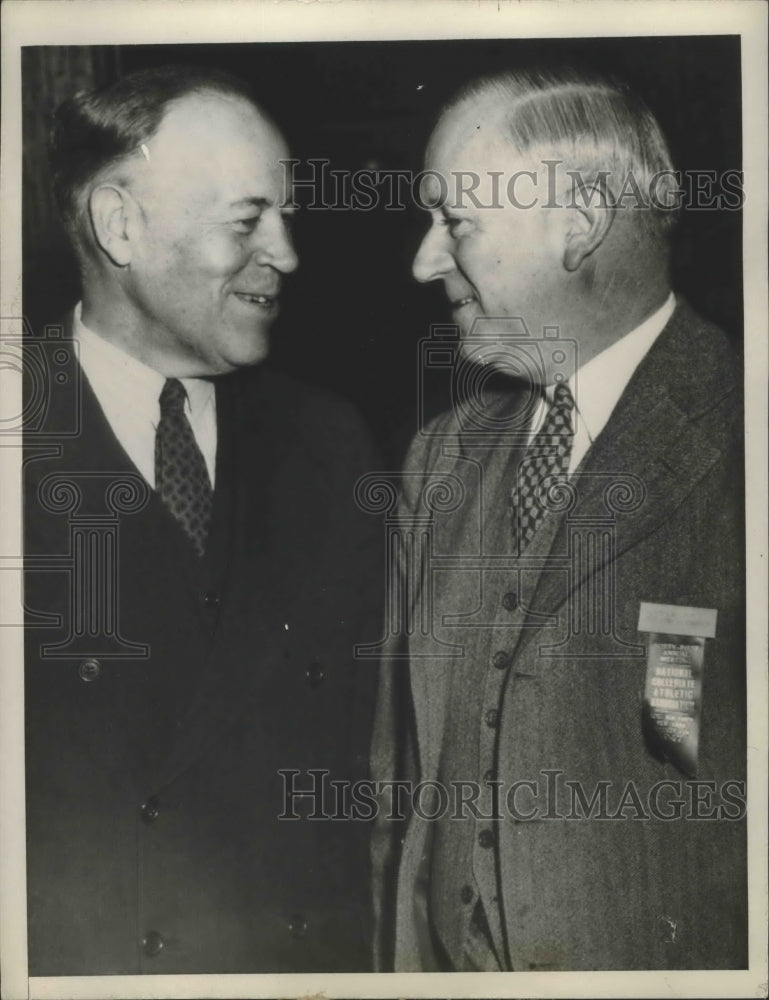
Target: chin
{"points": [[245, 351]]}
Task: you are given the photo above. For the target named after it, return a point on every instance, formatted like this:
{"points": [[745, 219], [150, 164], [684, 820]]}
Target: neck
{"points": [[106, 312], [613, 298], [623, 314], [110, 313]]}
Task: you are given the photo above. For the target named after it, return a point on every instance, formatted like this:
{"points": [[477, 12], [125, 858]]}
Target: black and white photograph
{"points": [[384, 426]]}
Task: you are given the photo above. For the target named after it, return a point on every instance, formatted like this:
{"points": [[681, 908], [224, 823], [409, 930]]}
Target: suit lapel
{"points": [[647, 460], [97, 450], [94, 457]]}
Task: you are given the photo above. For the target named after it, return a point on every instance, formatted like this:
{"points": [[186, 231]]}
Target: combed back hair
{"points": [[99, 128], [593, 124]]}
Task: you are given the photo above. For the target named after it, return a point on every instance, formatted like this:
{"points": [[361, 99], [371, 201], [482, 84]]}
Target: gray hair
{"points": [[594, 124]]}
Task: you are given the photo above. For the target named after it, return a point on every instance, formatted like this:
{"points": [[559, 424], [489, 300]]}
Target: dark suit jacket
{"points": [[537, 681], [153, 786]]}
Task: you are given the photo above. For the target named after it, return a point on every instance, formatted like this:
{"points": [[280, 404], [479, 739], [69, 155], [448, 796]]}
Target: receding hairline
{"points": [[514, 88], [208, 95], [495, 113], [590, 124], [501, 97], [121, 170], [212, 95]]}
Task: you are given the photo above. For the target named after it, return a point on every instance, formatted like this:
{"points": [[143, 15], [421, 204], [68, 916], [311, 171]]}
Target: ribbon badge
{"points": [[672, 704]]}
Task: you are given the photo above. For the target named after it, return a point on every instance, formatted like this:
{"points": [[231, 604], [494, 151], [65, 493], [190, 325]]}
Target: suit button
{"points": [[152, 944], [486, 838], [151, 809], [510, 601], [501, 660], [491, 718], [315, 674], [489, 776], [89, 669], [297, 925], [466, 895], [212, 600]]}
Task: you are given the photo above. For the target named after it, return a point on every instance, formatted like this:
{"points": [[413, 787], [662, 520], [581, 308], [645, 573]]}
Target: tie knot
{"points": [[172, 397], [562, 397]]}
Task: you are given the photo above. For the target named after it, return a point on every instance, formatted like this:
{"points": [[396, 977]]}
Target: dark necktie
{"points": [[181, 477], [545, 463]]}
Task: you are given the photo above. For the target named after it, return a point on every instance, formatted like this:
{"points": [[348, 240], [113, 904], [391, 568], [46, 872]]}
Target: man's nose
{"points": [[276, 249], [433, 258]]}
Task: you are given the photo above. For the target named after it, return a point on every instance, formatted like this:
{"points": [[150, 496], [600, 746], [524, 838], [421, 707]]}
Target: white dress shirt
{"points": [[128, 392], [598, 384]]}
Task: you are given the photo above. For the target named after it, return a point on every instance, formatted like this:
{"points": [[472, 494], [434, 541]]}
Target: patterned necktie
{"points": [[181, 477], [545, 463]]}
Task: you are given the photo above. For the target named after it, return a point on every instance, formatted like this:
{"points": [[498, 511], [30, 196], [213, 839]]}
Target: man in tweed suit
{"points": [[563, 823]]}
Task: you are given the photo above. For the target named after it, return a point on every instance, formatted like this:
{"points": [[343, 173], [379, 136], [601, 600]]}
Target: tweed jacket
{"points": [[531, 673], [165, 696]]}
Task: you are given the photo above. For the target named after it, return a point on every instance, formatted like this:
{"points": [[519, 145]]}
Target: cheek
{"points": [[501, 249], [494, 266], [211, 258], [481, 258], [222, 255]]}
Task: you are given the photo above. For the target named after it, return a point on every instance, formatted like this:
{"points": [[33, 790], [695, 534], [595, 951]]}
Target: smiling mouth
{"points": [[458, 303], [266, 301]]}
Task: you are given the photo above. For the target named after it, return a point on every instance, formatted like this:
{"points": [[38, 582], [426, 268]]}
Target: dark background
{"points": [[352, 314]]}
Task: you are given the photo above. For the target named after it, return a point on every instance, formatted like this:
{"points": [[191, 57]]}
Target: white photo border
{"points": [[111, 22]]}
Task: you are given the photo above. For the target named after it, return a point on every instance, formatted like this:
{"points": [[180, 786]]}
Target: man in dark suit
{"points": [[197, 569], [575, 702]]}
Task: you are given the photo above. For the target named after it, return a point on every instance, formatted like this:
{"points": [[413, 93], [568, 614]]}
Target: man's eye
{"points": [[452, 224], [246, 225]]}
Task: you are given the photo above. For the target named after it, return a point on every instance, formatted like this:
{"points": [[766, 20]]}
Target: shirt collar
{"points": [[598, 384], [111, 370]]}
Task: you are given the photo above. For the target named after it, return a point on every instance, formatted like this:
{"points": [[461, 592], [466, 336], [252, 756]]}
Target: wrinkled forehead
{"points": [[212, 147]]}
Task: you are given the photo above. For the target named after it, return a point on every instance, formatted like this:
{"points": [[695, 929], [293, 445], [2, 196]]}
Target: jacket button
{"points": [[212, 600], [297, 925], [151, 809], [486, 838], [89, 669], [489, 776], [510, 601], [315, 674], [491, 718], [466, 895], [152, 944], [501, 660]]}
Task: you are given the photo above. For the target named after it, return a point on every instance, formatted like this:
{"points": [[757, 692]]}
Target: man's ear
{"points": [[109, 210], [588, 227]]}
